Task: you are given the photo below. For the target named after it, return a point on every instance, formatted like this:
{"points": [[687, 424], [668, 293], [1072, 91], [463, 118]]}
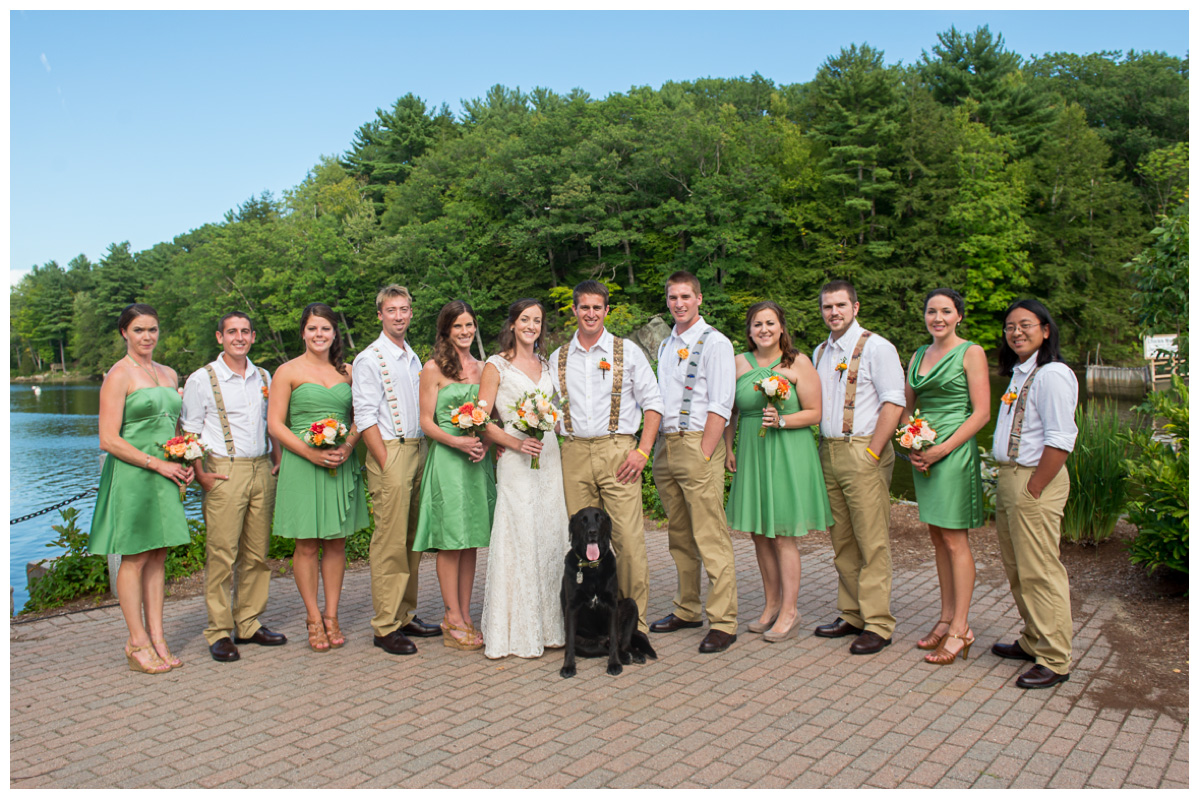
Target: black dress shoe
{"points": [[837, 629], [1040, 677], [396, 643], [223, 650], [1013, 650], [264, 637], [673, 623], [868, 642], [717, 641], [419, 628]]}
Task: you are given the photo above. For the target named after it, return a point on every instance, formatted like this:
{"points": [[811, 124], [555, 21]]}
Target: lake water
{"points": [[54, 453]]}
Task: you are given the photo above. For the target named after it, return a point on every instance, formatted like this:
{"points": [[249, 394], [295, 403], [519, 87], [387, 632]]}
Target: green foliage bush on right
{"points": [[1098, 473], [1158, 485]]}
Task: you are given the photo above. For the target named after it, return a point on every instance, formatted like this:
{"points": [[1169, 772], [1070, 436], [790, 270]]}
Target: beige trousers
{"points": [[858, 495], [237, 518], [395, 491], [1029, 531], [692, 492], [589, 468]]}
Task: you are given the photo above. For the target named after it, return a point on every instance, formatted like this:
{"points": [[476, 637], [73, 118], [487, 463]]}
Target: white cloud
{"points": [[45, 62]]}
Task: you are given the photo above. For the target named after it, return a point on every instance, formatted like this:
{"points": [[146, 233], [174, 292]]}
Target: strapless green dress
{"points": [[778, 489], [952, 495], [138, 509], [458, 498], [309, 502]]}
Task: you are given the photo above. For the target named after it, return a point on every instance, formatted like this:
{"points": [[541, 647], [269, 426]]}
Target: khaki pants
{"points": [[589, 468], [1029, 530], [692, 492], [858, 495], [237, 517], [395, 492]]}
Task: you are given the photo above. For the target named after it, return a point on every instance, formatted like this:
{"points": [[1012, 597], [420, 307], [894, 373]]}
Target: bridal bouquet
{"points": [[916, 435], [777, 389], [470, 416], [183, 450], [535, 416], [326, 433]]}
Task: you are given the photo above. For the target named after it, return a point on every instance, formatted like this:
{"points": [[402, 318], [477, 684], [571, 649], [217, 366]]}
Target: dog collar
{"points": [[582, 564]]}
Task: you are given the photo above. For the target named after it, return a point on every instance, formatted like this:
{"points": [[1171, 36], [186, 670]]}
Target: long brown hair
{"points": [[506, 342], [444, 353], [335, 349], [788, 350]]}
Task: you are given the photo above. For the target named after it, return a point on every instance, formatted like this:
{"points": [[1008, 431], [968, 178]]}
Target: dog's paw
{"points": [[626, 658], [567, 672], [637, 658], [614, 669]]}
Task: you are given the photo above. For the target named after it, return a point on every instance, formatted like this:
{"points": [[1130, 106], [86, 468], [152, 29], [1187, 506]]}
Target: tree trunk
{"points": [[479, 344], [346, 325], [553, 274], [629, 263], [62, 356]]}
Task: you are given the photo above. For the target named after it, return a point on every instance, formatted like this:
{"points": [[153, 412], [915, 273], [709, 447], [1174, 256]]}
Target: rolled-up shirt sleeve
{"points": [[1058, 395], [191, 417], [366, 394], [722, 379], [887, 374], [645, 383]]}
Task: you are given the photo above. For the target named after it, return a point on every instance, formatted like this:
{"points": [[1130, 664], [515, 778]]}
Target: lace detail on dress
{"points": [[522, 614]]}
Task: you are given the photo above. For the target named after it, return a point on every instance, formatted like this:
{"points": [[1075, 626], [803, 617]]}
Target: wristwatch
{"points": [[782, 424]]}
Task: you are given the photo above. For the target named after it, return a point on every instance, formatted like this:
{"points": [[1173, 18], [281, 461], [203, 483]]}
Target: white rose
{"points": [[770, 387]]}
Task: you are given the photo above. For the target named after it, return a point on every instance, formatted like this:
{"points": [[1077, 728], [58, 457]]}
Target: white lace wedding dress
{"points": [[522, 613]]}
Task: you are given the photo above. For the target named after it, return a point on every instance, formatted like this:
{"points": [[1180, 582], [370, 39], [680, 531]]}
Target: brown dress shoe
{"points": [[419, 628], [264, 637], [868, 642], [1013, 650], [673, 623], [224, 650], [396, 643], [717, 641], [1040, 677], [837, 629]]}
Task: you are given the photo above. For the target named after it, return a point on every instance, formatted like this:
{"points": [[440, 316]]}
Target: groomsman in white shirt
{"points": [[386, 380], [606, 386], [862, 398], [225, 404], [696, 376]]}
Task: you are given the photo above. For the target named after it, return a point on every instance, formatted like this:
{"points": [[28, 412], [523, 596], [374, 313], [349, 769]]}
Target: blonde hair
{"points": [[390, 291]]}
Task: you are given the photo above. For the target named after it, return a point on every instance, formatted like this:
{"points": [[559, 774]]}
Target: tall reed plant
{"points": [[1098, 475]]}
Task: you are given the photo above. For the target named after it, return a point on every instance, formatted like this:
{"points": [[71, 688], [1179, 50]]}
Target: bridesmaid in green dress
{"points": [[316, 508], [948, 382], [137, 514], [458, 492], [778, 490]]}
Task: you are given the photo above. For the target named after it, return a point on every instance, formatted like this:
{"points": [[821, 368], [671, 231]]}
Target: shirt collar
{"points": [[849, 338], [1028, 364], [603, 343], [693, 333], [226, 373], [396, 351]]}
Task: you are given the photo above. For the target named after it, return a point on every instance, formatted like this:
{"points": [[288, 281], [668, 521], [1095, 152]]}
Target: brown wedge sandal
{"points": [[336, 639], [169, 659], [153, 665], [317, 640]]}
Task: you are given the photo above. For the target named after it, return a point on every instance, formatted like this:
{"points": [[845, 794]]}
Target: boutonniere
{"points": [[604, 366], [1009, 398], [682, 353], [841, 368], [266, 392]]}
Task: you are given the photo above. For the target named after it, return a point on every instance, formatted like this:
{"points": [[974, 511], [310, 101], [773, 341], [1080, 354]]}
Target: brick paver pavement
{"points": [[803, 713]]}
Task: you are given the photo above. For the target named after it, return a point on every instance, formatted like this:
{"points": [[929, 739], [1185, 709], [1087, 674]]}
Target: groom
{"points": [[606, 386]]}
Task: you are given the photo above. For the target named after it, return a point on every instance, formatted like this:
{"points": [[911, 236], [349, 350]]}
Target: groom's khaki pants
{"points": [[395, 491], [589, 469]]}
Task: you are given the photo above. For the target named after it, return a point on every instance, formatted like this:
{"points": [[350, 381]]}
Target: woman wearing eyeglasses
{"points": [[1034, 435]]}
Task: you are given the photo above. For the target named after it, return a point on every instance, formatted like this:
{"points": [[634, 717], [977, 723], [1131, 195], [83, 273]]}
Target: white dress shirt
{"points": [[715, 377], [1049, 412], [245, 408], [880, 380], [589, 388], [371, 406]]}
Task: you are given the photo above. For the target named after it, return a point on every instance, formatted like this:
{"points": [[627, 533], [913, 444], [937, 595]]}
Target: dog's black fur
{"points": [[597, 622]]}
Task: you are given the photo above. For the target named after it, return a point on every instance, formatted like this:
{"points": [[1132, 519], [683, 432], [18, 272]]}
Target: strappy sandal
{"points": [[944, 657], [170, 659], [317, 640], [933, 640], [336, 639], [154, 664], [467, 642]]}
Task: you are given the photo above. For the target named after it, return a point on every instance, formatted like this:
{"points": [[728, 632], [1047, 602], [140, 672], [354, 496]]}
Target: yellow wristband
{"points": [[642, 454], [708, 458], [872, 452]]}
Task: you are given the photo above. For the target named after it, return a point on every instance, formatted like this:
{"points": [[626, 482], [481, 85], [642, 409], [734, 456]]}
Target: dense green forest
{"points": [[974, 168]]}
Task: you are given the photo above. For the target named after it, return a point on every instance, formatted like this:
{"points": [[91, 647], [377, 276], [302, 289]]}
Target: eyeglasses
{"points": [[1025, 327]]}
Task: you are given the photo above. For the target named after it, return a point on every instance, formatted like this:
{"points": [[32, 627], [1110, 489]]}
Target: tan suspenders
{"points": [[221, 415], [851, 378], [1014, 437], [618, 376]]}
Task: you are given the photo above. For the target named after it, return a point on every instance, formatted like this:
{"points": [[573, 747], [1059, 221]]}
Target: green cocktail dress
{"points": [[138, 509], [778, 489], [952, 494], [458, 498], [309, 502]]}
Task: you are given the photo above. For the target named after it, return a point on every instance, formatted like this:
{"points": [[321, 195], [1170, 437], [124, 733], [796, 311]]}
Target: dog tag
{"points": [[579, 576]]}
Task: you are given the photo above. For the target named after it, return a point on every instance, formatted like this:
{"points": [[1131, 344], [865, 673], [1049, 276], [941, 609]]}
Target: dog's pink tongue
{"points": [[593, 552]]}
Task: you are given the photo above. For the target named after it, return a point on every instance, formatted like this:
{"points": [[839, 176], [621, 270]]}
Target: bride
{"points": [[522, 613]]}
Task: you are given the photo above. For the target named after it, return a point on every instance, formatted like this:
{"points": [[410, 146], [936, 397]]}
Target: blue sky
{"points": [[140, 126]]}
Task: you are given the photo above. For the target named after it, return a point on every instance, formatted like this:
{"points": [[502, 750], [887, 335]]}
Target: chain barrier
{"points": [[54, 507]]}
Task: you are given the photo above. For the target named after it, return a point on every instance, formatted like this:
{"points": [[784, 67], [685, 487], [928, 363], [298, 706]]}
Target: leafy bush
{"points": [[1158, 484], [988, 473], [189, 558], [1098, 474], [75, 573]]}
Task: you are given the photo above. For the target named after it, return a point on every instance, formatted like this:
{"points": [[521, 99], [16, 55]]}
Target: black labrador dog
{"points": [[598, 623]]}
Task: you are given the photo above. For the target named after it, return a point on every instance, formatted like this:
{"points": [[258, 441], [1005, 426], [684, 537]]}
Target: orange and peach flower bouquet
{"points": [[183, 449], [916, 435], [470, 416], [536, 415], [326, 434], [777, 389]]}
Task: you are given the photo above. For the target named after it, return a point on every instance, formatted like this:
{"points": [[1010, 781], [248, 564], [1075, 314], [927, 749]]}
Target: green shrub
{"points": [[652, 507], [75, 573], [1158, 484], [988, 473], [188, 559], [1098, 474]]}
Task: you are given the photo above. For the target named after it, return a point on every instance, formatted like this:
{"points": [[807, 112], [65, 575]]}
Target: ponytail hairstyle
{"points": [[785, 339], [506, 342], [444, 353], [335, 348]]}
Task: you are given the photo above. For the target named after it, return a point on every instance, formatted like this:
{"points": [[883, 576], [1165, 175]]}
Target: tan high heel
{"points": [[317, 640], [156, 665], [336, 639], [758, 627], [466, 643], [933, 641], [944, 657], [170, 660]]}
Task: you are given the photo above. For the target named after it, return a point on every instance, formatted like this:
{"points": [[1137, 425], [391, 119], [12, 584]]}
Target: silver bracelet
{"points": [[148, 460]]}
